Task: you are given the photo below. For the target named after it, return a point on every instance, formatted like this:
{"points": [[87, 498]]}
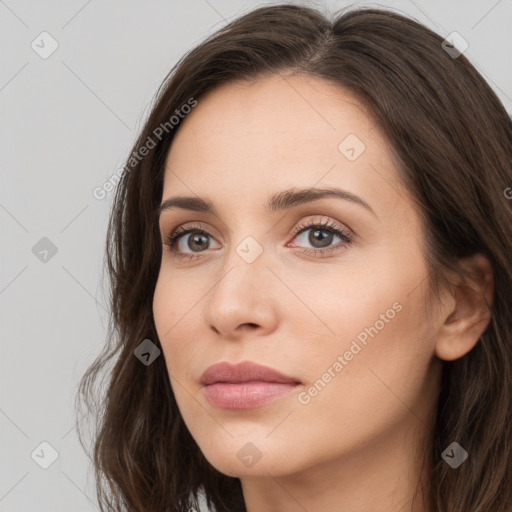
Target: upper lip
{"points": [[245, 371]]}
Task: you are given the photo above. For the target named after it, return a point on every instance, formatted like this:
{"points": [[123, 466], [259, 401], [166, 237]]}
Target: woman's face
{"points": [[344, 320]]}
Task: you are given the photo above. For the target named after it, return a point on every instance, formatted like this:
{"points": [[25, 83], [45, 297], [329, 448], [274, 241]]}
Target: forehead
{"points": [[277, 132], [277, 111]]}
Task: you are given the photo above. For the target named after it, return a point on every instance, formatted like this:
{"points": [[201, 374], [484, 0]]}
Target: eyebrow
{"points": [[281, 201]]}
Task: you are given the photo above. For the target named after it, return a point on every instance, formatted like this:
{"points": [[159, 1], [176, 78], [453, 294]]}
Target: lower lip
{"points": [[246, 395]]}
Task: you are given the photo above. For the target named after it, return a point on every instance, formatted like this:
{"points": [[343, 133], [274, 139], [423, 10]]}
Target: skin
{"points": [[357, 445]]}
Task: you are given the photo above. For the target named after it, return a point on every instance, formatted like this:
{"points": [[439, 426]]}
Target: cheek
{"points": [[173, 316], [170, 302], [373, 318], [355, 390], [173, 300]]}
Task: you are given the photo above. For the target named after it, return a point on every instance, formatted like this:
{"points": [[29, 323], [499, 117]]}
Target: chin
{"points": [[240, 457]]}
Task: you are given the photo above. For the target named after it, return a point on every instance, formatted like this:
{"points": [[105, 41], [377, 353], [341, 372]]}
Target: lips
{"points": [[245, 385], [246, 371]]}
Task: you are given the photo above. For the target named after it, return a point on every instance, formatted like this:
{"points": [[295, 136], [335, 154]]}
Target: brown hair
{"points": [[452, 139]]}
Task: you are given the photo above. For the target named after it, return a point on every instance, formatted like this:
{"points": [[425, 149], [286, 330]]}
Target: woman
{"points": [[309, 253]]}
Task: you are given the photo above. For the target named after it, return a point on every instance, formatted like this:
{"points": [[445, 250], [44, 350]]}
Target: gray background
{"points": [[68, 123]]}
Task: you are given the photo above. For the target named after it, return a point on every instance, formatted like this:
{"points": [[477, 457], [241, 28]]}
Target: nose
{"points": [[244, 298]]}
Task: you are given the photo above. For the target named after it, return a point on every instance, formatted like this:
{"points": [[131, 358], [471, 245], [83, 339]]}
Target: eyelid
{"points": [[306, 221], [324, 221], [193, 225]]}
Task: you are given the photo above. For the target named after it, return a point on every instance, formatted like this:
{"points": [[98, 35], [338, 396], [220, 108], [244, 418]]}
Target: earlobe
{"points": [[469, 313]]}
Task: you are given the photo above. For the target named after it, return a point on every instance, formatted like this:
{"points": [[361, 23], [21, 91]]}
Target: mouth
{"points": [[245, 385]]}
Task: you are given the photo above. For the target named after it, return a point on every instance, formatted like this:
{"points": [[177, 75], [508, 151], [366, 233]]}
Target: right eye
{"points": [[186, 238]]}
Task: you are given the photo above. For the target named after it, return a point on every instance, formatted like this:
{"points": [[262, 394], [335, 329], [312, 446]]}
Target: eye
{"points": [[321, 236], [194, 238]]}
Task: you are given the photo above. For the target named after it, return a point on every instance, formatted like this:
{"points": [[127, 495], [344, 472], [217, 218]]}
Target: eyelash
{"points": [[176, 235]]}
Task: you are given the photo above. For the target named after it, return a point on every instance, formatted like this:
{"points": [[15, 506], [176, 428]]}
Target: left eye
{"points": [[321, 236]]}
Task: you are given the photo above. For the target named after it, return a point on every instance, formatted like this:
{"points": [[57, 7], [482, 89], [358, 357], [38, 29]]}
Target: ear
{"points": [[467, 312]]}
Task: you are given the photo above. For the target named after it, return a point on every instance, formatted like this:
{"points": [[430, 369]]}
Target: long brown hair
{"points": [[452, 139]]}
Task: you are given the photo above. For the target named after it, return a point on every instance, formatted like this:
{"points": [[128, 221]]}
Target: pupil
{"points": [[194, 239], [314, 234]]}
